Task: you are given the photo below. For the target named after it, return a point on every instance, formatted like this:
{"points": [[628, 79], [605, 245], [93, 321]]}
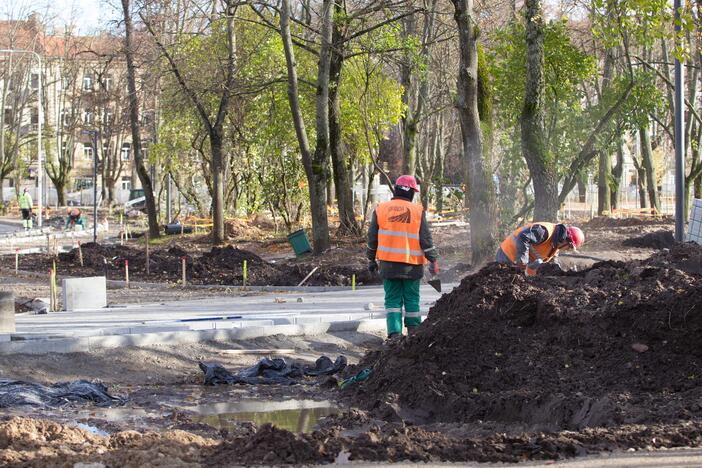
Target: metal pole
{"points": [[40, 169], [95, 216], [679, 137], [168, 198]]}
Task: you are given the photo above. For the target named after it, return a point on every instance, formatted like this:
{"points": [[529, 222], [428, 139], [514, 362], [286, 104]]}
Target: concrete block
{"points": [[7, 312], [84, 293]]}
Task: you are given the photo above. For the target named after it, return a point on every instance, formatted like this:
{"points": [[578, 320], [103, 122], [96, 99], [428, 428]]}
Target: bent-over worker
{"points": [[25, 205], [399, 237], [534, 244], [73, 218]]}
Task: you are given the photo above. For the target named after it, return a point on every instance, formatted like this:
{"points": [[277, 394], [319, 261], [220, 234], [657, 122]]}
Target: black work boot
{"points": [[411, 331]]}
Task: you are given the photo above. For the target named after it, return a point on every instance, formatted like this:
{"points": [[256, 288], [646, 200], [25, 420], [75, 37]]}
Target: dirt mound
{"points": [[242, 229], [616, 343], [652, 240], [221, 265], [606, 222]]}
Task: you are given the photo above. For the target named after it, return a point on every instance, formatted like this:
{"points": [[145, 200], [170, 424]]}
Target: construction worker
{"points": [[25, 204], [532, 245], [73, 218], [399, 237]]}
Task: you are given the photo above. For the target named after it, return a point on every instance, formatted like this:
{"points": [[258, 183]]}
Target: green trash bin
{"points": [[299, 242]]}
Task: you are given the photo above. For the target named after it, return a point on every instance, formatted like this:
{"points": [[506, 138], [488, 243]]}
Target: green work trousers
{"points": [[399, 293]]}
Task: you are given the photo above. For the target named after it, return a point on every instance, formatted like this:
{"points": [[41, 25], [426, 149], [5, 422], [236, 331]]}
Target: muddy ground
{"points": [[504, 369]]}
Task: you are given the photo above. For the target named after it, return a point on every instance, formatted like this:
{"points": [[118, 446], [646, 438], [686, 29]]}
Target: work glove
{"points": [[533, 267], [372, 266], [434, 267]]}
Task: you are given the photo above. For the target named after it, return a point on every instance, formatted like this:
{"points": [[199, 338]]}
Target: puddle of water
{"points": [[293, 415], [92, 429]]}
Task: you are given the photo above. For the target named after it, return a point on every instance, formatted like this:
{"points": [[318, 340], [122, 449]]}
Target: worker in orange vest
{"points": [[399, 237], [532, 245]]}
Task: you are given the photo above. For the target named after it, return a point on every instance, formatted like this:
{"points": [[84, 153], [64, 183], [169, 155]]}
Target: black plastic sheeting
{"points": [[271, 372], [19, 393]]}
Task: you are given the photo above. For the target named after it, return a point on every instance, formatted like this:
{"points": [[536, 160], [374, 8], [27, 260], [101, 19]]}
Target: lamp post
{"points": [[40, 171]]}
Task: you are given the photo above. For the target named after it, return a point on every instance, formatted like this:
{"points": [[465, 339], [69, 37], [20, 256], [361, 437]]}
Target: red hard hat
{"points": [[576, 238], [407, 181]]}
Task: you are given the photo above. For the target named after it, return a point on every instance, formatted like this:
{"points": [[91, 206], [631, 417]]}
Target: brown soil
{"points": [[606, 222], [221, 266], [39, 443], [552, 352], [653, 240]]}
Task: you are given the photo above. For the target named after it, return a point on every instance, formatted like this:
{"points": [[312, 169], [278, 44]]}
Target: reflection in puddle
{"points": [[293, 415]]}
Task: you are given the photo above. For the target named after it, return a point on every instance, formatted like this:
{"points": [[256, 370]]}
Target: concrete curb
{"points": [[92, 343]]}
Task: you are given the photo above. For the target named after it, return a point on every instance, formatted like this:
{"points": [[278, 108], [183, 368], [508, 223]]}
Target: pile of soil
{"points": [[607, 222], [615, 344], [221, 266], [652, 240]]}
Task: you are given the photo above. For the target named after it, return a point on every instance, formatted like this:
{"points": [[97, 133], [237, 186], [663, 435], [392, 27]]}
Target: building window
{"points": [[105, 150], [82, 183], [34, 116], [87, 151], [126, 149], [88, 82], [65, 117], [88, 117], [126, 183], [8, 117], [107, 117], [107, 82], [66, 82], [35, 81]]}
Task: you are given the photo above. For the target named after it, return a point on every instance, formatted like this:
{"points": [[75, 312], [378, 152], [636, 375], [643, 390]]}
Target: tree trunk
{"points": [[582, 190], [408, 122], [647, 163], [342, 176], [60, 193], [617, 172], [439, 172], [481, 191], [641, 186], [698, 186], [143, 174], [604, 200], [315, 172], [541, 167], [218, 183]]}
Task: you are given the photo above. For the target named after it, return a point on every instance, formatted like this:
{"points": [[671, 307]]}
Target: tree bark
{"points": [[647, 164], [315, 172], [604, 199], [481, 191], [342, 177], [409, 99], [541, 167], [617, 173], [143, 174]]}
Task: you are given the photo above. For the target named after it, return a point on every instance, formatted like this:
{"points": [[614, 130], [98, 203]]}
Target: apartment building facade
{"points": [[85, 120]]}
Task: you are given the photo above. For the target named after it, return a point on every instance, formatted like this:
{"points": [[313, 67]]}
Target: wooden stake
{"points": [[55, 288], [184, 274], [126, 273], [353, 282], [146, 237], [308, 276], [80, 254], [51, 290], [246, 272], [16, 261]]}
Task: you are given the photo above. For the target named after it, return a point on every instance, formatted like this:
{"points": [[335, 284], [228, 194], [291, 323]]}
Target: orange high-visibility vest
{"points": [[398, 232], [545, 250]]}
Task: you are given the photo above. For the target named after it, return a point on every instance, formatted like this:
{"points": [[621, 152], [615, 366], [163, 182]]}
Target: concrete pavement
{"points": [[232, 316]]}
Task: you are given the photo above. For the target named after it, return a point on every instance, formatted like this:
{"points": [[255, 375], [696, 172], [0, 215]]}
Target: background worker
{"points": [[25, 205], [532, 245], [73, 218], [399, 237]]}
